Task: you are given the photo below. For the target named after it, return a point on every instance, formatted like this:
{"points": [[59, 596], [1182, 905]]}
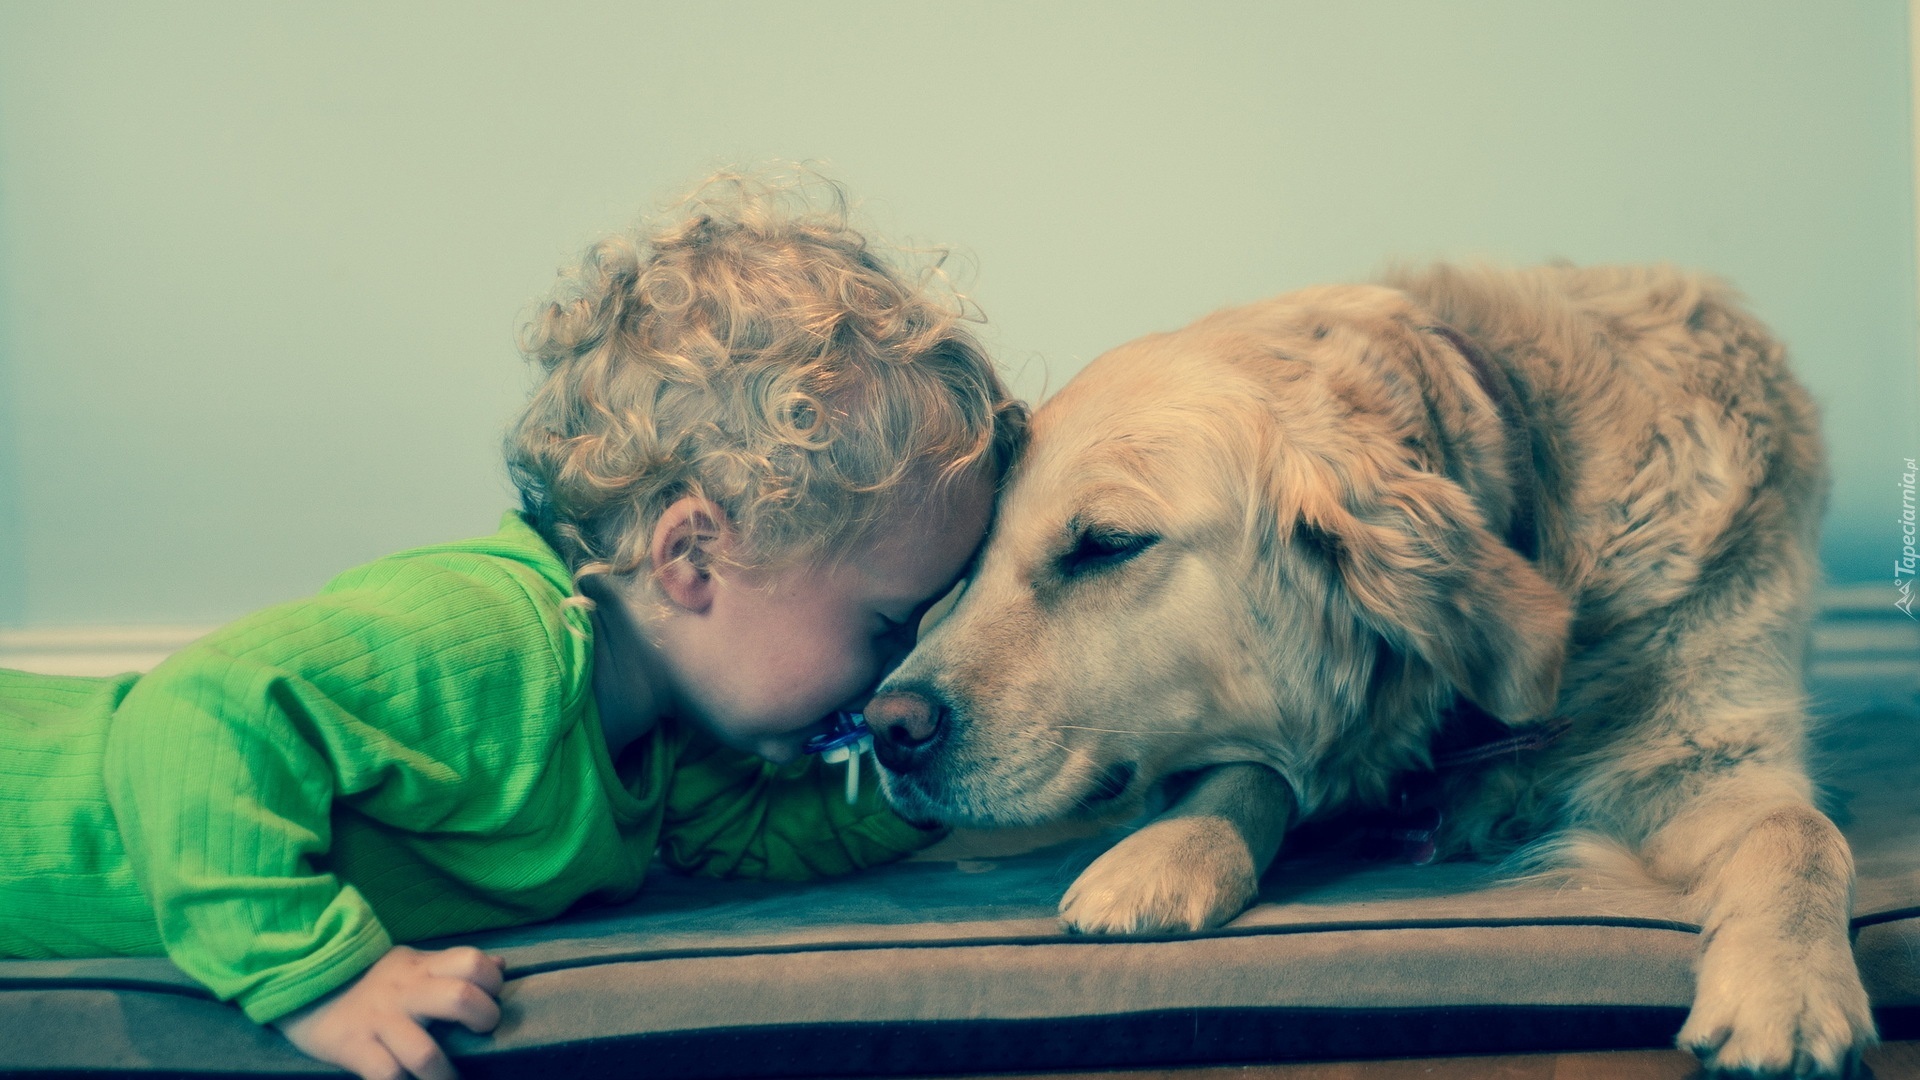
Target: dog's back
{"points": [[1667, 409], [1679, 458]]}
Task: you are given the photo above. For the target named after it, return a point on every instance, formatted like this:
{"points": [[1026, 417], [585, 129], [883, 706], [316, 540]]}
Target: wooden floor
{"points": [[1893, 1061]]}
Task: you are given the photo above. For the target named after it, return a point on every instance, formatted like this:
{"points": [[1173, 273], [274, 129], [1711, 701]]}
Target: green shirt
{"points": [[413, 752]]}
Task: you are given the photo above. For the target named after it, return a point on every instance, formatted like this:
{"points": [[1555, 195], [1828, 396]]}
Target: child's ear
{"points": [[686, 540]]}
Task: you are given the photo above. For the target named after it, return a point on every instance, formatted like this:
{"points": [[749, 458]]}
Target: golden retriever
{"points": [[1257, 571]]}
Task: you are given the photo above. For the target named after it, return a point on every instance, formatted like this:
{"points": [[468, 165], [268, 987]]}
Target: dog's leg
{"points": [[1778, 992], [1195, 866]]}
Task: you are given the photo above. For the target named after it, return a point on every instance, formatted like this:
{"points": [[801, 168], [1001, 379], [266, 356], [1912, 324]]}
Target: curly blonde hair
{"points": [[754, 350]]}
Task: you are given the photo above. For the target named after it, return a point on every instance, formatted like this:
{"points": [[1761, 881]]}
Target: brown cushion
{"points": [[960, 966]]}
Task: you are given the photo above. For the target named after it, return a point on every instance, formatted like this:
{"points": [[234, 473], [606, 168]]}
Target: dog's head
{"points": [[1271, 537]]}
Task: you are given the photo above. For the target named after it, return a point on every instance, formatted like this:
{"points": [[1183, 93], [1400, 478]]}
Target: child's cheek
{"points": [[826, 672], [858, 668]]}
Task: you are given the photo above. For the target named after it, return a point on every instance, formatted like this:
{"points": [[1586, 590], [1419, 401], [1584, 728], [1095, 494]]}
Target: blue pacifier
{"points": [[849, 738]]}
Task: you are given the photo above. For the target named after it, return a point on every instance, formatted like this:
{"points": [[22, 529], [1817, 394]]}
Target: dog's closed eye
{"points": [[1098, 548]]}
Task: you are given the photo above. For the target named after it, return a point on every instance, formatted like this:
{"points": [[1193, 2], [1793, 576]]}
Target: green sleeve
{"points": [[223, 804], [733, 815], [226, 765]]}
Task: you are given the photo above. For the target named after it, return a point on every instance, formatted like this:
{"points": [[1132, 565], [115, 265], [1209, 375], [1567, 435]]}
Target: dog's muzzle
{"points": [[909, 723]]}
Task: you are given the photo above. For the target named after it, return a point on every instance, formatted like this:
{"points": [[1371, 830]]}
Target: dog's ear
{"points": [[1421, 569]]}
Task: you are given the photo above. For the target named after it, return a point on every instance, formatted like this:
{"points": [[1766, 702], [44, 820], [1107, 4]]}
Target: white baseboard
{"points": [[93, 650], [1860, 634]]}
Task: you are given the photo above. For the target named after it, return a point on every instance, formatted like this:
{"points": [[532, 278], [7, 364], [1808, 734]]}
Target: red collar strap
{"points": [[1409, 830], [1534, 736]]}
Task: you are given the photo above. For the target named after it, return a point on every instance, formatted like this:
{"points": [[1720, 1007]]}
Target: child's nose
{"points": [[907, 725]]}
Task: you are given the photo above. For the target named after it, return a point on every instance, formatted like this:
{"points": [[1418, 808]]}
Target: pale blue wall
{"points": [[260, 264], [13, 536]]}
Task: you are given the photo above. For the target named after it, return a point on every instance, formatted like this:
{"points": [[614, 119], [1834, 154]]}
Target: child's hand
{"points": [[375, 1025]]}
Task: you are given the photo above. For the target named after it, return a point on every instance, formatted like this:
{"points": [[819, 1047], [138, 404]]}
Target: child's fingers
{"points": [[465, 962], [457, 1000], [415, 1051]]}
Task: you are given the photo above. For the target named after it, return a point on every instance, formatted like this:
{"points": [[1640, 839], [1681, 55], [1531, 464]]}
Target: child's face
{"points": [[777, 653]]}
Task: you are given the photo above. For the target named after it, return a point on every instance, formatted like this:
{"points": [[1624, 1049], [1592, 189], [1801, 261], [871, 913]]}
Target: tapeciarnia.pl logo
{"points": [[1904, 566]]}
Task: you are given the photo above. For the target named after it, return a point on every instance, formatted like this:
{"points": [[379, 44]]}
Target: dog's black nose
{"points": [[907, 726]]}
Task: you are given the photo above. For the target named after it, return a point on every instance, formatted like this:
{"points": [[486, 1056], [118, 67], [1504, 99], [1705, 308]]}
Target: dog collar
{"points": [[1408, 830], [1470, 735], [1522, 533]]}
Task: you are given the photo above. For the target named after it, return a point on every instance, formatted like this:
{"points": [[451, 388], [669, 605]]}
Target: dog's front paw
{"points": [[1186, 873], [1759, 1011]]}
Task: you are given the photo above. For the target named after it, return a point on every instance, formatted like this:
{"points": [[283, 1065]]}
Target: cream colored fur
{"points": [[1243, 568]]}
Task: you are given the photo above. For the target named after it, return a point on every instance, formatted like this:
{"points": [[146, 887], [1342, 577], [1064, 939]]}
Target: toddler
{"points": [[758, 454]]}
